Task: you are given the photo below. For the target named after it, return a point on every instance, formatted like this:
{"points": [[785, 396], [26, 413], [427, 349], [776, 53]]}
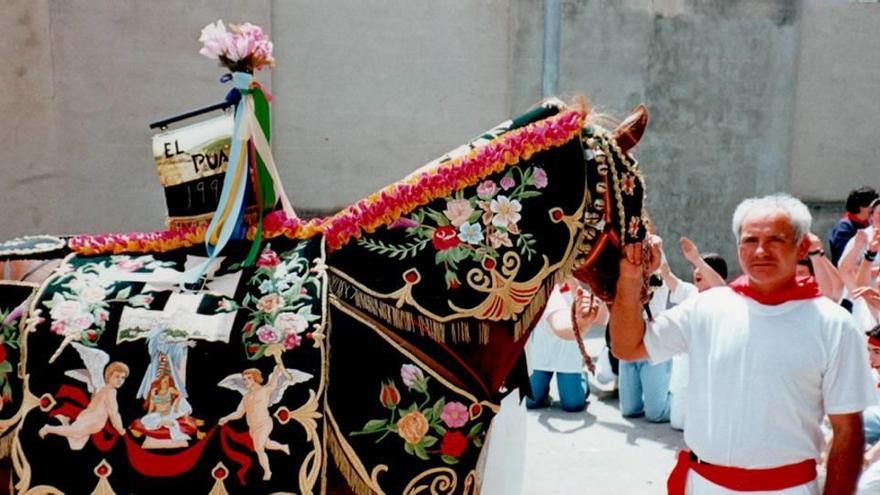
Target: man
{"points": [[769, 359], [856, 217]]}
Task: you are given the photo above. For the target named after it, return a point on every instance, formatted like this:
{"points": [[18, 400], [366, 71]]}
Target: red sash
{"points": [[740, 479]]}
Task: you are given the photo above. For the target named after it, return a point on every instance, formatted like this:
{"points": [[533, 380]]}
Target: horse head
{"points": [[615, 214]]}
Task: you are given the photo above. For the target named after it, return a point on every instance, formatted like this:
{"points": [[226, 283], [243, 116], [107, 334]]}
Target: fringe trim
{"points": [[355, 483], [455, 331], [6, 444], [461, 331]]}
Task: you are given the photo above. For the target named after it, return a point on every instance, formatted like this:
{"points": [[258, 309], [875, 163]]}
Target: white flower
{"points": [[291, 322], [92, 294], [470, 233], [506, 211], [214, 39]]}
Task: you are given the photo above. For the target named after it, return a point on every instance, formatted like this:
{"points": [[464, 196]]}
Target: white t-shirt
{"points": [[546, 351], [762, 377]]}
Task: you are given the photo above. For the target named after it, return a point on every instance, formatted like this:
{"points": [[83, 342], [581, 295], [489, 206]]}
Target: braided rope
{"points": [[588, 361]]}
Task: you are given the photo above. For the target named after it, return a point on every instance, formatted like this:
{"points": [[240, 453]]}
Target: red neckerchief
{"points": [[793, 291], [855, 221]]}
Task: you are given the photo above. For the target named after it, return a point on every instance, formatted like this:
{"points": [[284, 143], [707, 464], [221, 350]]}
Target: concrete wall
{"points": [[746, 97]]}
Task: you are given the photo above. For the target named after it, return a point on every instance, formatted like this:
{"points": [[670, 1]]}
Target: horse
{"points": [[371, 347]]}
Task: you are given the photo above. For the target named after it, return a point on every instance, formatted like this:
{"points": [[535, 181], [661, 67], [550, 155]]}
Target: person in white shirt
{"points": [[769, 358], [552, 348]]}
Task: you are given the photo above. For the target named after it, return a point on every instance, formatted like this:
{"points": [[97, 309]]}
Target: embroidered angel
{"points": [[256, 400], [102, 383]]}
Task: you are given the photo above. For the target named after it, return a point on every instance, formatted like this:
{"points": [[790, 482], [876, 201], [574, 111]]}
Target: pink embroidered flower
{"points": [[292, 341], [270, 303], [82, 322], [458, 211], [92, 294], [411, 374], [268, 258], [65, 310], [540, 177], [291, 323], [507, 183], [268, 334], [487, 189], [102, 315], [129, 265], [506, 211], [59, 327], [403, 223], [455, 414]]}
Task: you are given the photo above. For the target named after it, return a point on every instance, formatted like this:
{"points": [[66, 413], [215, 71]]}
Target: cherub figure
{"points": [[102, 383], [255, 403]]}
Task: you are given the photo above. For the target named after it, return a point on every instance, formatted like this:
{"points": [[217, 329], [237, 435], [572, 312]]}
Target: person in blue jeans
{"points": [[643, 388], [552, 349]]}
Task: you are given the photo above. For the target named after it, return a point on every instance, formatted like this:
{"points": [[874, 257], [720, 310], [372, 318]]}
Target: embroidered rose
{"points": [[268, 258], [291, 323], [412, 427], [389, 396], [506, 211], [455, 414], [445, 237], [487, 189], [2, 353], [82, 321], [470, 233], [507, 183], [268, 334], [65, 310], [102, 315], [270, 303], [92, 294], [292, 341], [540, 178], [59, 327], [454, 444], [458, 211], [129, 265]]}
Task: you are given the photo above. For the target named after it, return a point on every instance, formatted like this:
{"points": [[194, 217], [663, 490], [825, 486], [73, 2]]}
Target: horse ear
{"points": [[631, 130]]}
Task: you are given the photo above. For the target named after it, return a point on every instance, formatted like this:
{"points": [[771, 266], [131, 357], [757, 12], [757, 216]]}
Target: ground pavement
{"points": [[596, 452]]}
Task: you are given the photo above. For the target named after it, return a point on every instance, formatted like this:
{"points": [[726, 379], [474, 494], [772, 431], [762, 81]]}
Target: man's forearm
{"points": [[844, 463], [627, 325]]}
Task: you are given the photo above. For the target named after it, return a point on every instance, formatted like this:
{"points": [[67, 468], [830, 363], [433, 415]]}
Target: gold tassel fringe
{"points": [[348, 472], [6, 443]]}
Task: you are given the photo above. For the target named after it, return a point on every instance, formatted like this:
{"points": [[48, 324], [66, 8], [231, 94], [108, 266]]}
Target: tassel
{"points": [[355, 483]]}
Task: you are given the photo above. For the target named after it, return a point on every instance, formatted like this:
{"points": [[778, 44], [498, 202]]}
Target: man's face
{"points": [[874, 356], [864, 213], [768, 250], [700, 281]]}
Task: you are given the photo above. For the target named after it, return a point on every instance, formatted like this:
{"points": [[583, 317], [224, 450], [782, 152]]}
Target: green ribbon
{"points": [[265, 184]]}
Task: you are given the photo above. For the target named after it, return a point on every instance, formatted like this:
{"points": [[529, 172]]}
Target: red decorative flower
{"points": [[2, 353], [445, 237], [454, 444], [628, 183], [389, 396], [268, 258], [283, 414], [219, 473]]}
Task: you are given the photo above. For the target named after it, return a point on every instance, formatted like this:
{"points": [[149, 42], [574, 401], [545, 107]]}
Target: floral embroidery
{"points": [[384, 207], [80, 305], [417, 422], [628, 184], [281, 309], [9, 339], [634, 223], [474, 227]]}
